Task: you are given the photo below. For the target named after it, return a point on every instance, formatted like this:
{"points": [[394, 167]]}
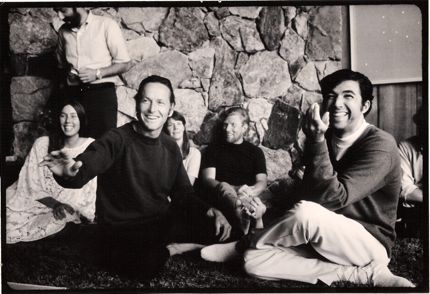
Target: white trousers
{"points": [[338, 241]]}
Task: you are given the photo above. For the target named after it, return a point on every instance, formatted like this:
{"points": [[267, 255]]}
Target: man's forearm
{"points": [[259, 187], [115, 69], [210, 183]]}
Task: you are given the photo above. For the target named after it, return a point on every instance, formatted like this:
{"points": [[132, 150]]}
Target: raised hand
{"points": [[315, 126], [222, 226], [61, 163]]}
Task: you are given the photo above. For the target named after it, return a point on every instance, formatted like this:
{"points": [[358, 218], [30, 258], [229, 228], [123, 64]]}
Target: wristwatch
{"points": [[98, 74]]}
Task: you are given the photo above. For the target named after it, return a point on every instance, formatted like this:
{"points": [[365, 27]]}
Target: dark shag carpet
{"points": [[60, 264]]}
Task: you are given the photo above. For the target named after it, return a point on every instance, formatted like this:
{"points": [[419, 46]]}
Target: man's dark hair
{"points": [[154, 79], [329, 82]]}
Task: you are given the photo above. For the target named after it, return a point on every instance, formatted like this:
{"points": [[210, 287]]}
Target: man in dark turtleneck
{"points": [[144, 188]]}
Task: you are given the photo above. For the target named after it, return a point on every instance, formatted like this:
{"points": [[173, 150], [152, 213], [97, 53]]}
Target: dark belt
{"points": [[89, 87]]}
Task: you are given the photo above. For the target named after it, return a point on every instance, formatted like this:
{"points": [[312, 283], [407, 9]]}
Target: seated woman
{"points": [[36, 206], [175, 127]]}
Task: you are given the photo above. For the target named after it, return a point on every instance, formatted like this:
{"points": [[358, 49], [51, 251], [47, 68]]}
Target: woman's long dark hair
{"points": [[186, 142], [56, 136]]}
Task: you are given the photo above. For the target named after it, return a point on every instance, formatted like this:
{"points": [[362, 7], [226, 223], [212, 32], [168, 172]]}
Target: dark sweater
{"points": [[136, 177], [363, 185]]}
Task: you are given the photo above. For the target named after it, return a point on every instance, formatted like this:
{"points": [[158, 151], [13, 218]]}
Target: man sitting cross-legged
{"points": [[343, 227], [144, 189], [234, 172]]}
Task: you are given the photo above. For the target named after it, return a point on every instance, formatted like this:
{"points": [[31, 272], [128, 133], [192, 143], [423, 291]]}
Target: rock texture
{"points": [[28, 96], [170, 64], [265, 75], [284, 125], [241, 34], [30, 35], [245, 11], [325, 41], [25, 134], [271, 24], [192, 105], [267, 59], [202, 62], [142, 48], [184, 29], [278, 163], [225, 88]]}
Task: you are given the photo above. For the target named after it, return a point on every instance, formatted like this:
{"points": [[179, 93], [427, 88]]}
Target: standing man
{"points": [[144, 188], [234, 172], [343, 227], [91, 53]]}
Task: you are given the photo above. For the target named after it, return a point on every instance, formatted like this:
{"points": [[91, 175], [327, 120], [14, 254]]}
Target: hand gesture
{"points": [[257, 208], [315, 126], [60, 210], [61, 163], [222, 226], [87, 75], [245, 190]]}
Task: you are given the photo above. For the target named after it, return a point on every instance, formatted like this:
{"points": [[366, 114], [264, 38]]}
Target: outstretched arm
{"points": [[61, 164]]}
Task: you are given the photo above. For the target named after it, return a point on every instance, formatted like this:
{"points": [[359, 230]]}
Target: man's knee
{"points": [[306, 212]]}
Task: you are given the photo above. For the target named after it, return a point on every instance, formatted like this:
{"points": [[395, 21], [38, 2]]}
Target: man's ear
{"points": [[365, 107]]}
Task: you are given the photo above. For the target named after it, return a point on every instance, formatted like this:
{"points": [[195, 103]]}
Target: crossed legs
{"points": [[341, 247]]}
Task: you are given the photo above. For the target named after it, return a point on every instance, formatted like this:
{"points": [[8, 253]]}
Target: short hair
{"points": [[154, 79], [56, 136], [186, 142], [236, 110], [329, 82]]}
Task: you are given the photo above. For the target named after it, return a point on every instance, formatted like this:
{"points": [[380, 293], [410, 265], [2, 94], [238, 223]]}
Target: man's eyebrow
{"points": [[343, 92]]}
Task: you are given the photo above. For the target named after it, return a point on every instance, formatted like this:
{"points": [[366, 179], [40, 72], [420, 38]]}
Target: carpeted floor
{"points": [[60, 265]]}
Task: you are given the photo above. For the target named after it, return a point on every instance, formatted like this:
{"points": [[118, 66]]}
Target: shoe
{"points": [[383, 277], [374, 274]]}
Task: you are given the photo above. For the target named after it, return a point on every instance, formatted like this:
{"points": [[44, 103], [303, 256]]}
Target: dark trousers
{"points": [[412, 221], [100, 103], [138, 250]]}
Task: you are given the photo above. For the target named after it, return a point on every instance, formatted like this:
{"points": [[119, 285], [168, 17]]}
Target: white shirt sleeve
{"points": [[116, 43], [408, 180]]}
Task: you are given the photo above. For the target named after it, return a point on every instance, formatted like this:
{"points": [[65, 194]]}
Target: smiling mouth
{"points": [[150, 117]]}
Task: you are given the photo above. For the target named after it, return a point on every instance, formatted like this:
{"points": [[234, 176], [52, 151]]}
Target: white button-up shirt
{"points": [[97, 43]]}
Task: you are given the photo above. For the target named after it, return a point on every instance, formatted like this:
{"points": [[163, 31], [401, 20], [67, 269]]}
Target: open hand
{"points": [[61, 163], [222, 226], [315, 126]]}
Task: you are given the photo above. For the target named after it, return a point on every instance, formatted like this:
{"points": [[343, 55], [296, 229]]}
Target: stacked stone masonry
{"points": [[267, 59]]}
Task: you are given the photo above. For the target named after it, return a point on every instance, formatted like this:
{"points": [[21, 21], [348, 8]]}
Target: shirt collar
{"points": [[89, 19]]}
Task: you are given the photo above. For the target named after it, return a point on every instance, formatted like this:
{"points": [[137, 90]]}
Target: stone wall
{"points": [[267, 59]]}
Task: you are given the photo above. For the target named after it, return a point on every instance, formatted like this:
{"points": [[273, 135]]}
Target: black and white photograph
{"points": [[211, 146]]}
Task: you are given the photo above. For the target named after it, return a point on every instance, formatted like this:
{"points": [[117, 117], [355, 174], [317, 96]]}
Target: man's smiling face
{"points": [[154, 108], [346, 108]]}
